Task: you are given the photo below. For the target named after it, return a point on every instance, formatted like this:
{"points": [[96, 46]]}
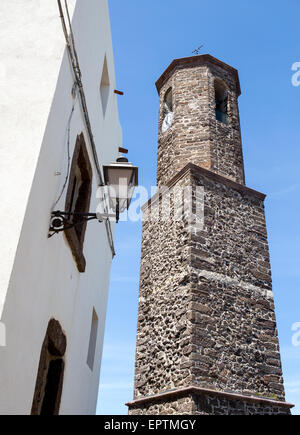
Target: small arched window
{"points": [[168, 114], [221, 97], [49, 382]]}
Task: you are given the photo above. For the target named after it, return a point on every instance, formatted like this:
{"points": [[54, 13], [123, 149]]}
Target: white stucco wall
{"points": [[31, 48], [38, 276]]}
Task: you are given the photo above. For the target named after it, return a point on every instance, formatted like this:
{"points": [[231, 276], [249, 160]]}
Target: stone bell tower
{"points": [[207, 339]]}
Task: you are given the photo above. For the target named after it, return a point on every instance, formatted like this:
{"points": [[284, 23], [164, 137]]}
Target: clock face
{"points": [[168, 121]]}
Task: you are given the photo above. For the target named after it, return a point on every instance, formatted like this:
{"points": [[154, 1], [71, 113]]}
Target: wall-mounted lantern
{"points": [[120, 180]]}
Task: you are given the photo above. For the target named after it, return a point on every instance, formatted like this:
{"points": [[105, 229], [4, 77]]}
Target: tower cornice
{"points": [[194, 61], [181, 392], [199, 171]]}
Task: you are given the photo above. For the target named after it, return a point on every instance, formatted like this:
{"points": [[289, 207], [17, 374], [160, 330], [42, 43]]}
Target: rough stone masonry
{"points": [[207, 340]]}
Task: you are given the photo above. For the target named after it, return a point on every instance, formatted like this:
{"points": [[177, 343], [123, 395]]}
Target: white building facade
{"points": [[53, 291]]}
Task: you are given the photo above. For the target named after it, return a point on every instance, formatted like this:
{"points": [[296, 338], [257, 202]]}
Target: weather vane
{"points": [[197, 51]]}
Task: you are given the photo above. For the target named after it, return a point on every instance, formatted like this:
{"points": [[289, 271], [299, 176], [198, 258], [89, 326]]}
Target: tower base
{"points": [[201, 401]]}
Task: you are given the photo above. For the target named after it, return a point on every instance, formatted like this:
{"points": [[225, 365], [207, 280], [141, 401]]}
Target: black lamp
{"points": [[121, 178]]}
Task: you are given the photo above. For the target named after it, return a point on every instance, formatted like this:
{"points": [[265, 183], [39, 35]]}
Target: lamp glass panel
{"points": [[119, 180]]}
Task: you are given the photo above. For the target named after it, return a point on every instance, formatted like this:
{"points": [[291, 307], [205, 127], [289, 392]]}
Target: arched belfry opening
{"points": [[221, 98], [168, 114], [49, 383], [169, 100]]}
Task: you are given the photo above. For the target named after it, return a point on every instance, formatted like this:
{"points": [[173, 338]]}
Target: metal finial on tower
{"points": [[197, 51]]}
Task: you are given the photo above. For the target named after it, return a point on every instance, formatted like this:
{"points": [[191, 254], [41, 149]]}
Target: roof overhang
{"points": [[194, 61]]}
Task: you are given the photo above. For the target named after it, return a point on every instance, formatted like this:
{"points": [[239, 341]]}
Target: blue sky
{"points": [[261, 40]]}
